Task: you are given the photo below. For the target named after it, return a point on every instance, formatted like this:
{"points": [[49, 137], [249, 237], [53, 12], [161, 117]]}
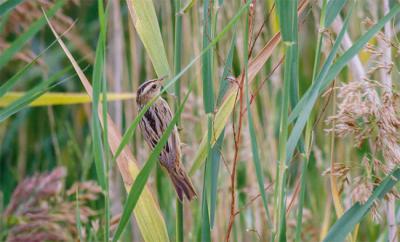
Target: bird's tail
{"points": [[182, 183]]}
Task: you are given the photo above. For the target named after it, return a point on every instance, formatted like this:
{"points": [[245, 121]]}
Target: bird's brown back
{"points": [[153, 125]]}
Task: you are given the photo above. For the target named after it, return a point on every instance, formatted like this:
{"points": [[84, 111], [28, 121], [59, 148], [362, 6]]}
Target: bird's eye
{"points": [[154, 86]]}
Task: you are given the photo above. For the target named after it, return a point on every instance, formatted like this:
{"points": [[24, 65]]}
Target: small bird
{"points": [[153, 125]]}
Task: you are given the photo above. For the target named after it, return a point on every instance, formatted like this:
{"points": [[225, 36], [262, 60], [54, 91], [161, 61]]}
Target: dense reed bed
{"points": [[287, 111]]}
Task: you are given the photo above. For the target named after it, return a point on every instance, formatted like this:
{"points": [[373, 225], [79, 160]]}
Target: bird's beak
{"points": [[162, 78]]}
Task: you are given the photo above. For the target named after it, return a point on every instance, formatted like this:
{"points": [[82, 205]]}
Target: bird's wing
{"points": [[149, 134], [153, 125], [171, 153]]}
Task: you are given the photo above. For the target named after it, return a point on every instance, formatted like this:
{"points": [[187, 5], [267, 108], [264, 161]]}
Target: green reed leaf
{"points": [[9, 5], [333, 9], [146, 24]]}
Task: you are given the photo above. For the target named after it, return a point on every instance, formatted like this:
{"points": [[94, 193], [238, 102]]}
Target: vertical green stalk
{"points": [[107, 154], [98, 148], [294, 83], [179, 221], [287, 13], [208, 99], [178, 50], [214, 154], [308, 133], [177, 69], [205, 228], [206, 68], [283, 135], [100, 142], [205, 220]]}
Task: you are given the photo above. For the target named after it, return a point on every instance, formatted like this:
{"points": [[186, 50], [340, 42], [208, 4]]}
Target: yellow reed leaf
{"points": [[61, 98]]}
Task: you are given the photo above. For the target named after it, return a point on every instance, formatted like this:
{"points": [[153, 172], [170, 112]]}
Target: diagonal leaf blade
{"points": [[334, 6], [353, 216]]}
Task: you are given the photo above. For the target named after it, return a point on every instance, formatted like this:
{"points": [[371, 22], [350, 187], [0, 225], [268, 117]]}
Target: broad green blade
{"points": [[333, 9], [206, 196], [216, 149], [215, 163], [254, 147], [206, 59], [98, 148], [145, 20], [205, 220], [287, 15], [8, 5], [99, 137]]}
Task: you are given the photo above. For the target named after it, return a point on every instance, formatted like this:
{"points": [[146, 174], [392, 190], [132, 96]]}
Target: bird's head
{"points": [[148, 90]]}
